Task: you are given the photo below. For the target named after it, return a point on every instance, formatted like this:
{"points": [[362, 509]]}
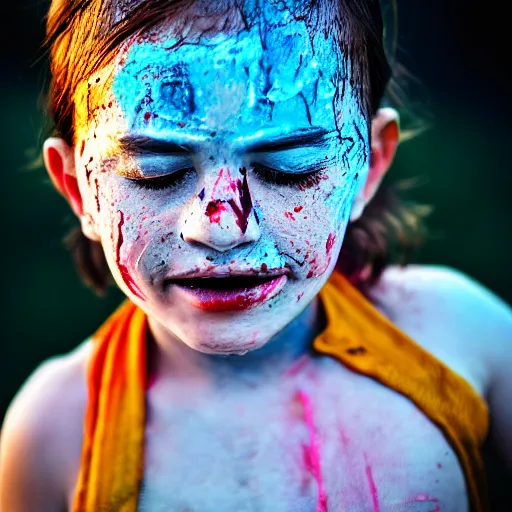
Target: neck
{"points": [[171, 358]]}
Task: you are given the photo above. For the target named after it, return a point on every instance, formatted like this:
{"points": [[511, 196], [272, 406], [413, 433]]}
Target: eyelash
{"points": [[162, 182], [303, 180]]}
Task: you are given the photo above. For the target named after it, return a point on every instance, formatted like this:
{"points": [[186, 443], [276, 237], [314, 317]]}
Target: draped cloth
{"points": [[357, 335]]}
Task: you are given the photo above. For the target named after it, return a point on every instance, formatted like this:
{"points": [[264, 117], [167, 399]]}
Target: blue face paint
{"points": [[229, 154]]}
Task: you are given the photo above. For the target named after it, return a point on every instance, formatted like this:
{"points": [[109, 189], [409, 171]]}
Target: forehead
{"points": [[274, 74]]}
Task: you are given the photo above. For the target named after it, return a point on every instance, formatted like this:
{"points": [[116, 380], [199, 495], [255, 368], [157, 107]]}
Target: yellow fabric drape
{"points": [[113, 447], [357, 335], [365, 341]]}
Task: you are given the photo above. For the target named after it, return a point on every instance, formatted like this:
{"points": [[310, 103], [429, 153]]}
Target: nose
{"points": [[222, 216]]}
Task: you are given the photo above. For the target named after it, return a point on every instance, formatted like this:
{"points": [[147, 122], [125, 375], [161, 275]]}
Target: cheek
{"points": [[140, 229], [308, 223], [124, 231]]}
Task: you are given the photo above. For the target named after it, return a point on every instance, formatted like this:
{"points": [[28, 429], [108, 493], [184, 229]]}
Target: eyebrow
{"points": [[142, 144], [307, 137]]}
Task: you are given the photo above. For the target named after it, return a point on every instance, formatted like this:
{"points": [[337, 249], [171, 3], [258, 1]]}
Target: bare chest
{"points": [[319, 439]]}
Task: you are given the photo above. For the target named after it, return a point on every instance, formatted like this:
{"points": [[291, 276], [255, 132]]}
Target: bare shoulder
{"points": [[42, 435], [451, 314]]}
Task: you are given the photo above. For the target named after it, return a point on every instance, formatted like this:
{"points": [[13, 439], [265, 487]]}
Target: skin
{"points": [[287, 403], [365, 428], [222, 217]]}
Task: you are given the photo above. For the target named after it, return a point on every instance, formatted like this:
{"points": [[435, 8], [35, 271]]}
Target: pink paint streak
{"points": [[312, 453], [296, 367], [216, 184], [371, 483], [289, 215], [345, 440], [125, 274], [231, 184], [426, 498]]}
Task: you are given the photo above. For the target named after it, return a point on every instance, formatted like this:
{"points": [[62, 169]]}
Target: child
{"points": [[218, 152]]}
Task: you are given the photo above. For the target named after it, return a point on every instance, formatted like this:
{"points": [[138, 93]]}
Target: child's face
{"points": [[171, 156]]}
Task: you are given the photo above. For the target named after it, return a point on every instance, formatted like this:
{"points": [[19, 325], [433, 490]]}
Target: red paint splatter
{"points": [[147, 116], [310, 275], [312, 452], [300, 296], [125, 274], [214, 210], [289, 215], [241, 208], [87, 170], [181, 124], [97, 196], [371, 483], [243, 211], [330, 242], [297, 209], [264, 267]]}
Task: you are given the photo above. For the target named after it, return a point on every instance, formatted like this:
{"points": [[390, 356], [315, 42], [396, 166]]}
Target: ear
{"points": [[384, 141], [59, 161]]}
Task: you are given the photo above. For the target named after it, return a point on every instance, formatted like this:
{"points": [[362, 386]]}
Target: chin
{"points": [[239, 343], [222, 348]]}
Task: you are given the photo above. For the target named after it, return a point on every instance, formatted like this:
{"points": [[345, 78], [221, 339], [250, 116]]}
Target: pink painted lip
{"points": [[201, 294]]}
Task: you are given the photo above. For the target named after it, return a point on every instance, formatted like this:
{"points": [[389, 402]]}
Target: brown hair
{"points": [[83, 35]]}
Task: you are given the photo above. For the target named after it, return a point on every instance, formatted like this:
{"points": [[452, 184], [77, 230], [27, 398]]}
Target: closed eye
{"points": [[163, 181], [301, 180]]}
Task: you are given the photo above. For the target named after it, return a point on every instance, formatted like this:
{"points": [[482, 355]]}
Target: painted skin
{"points": [[176, 190], [266, 431], [271, 430], [229, 107]]}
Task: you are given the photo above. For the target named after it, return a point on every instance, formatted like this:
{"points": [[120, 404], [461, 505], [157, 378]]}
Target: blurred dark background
{"points": [[458, 51]]}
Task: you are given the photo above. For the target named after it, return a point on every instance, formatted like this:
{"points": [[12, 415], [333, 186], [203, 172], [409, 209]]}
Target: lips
{"points": [[233, 293]]}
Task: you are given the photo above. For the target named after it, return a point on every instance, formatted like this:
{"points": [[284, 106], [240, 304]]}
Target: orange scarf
{"points": [[357, 335]]}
